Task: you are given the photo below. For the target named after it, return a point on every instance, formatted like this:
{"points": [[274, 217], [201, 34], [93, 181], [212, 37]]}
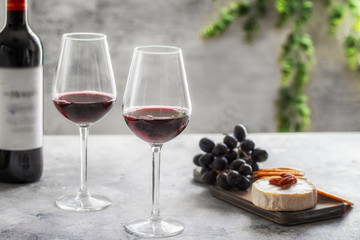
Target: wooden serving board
{"points": [[325, 208]]}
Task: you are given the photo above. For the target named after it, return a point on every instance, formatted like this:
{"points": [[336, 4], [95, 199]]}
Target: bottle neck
{"points": [[16, 12]]}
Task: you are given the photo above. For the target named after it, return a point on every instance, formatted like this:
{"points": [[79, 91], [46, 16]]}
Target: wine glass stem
{"points": [[156, 150], [84, 133]]}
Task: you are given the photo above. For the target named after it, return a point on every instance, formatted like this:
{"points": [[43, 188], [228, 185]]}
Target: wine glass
{"points": [[157, 108], [84, 92]]}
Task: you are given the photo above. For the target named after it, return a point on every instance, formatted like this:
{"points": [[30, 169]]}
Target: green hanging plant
{"points": [[297, 53]]}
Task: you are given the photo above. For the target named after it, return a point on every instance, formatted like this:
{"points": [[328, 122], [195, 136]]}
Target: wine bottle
{"points": [[21, 98]]}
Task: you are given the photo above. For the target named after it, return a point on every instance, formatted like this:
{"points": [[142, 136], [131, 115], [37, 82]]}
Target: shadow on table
{"points": [[10, 186], [264, 227]]}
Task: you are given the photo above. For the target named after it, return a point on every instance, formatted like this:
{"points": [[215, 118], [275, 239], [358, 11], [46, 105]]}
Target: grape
{"points": [[248, 160], [231, 156], [209, 177], [235, 165], [244, 155], [229, 164], [232, 177], [255, 166], [206, 159], [242, 183], [220, 150], [220, 163], [245, 169], [230, 141], [205, 169], [259, 155], [221, 180], [207, 145], [247, 145], [196, 159], [240, 132]]}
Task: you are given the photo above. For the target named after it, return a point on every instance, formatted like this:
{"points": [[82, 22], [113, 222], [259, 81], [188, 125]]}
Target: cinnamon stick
{"points": [[337, 198]]}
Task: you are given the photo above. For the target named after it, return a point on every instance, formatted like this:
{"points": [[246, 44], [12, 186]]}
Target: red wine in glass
{"points": [[84, 108], [157, 108], [84, 92], [156, 124]]}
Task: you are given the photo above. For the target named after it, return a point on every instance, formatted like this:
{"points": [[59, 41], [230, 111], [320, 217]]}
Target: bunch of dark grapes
{"points": [[230, 163]]}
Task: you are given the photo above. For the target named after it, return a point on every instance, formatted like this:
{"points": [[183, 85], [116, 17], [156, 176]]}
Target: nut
{"points": [[275, 181], [286, 180]]}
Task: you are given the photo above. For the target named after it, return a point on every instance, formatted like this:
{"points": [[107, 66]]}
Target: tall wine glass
{"points": [[157, 108], [84, 92]]}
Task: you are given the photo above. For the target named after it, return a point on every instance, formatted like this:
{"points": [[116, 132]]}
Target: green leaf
{"points": [[261, 7], [221, 25], [354, 6], [336, 16], [297, 52], [280, 5], [227, 17], [307, 5], [244, 8], [282, 19], [301, 98], [303, 110]]}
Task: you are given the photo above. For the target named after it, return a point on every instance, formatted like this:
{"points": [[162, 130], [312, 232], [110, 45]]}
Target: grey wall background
{"points": [[229, 82]]}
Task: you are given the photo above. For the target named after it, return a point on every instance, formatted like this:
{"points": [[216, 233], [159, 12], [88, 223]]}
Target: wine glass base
{"points": [[146, 228], [83, 203]]}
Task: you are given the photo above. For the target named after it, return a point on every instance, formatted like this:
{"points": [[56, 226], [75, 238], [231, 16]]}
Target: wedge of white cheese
{"points": [[299, 196]]}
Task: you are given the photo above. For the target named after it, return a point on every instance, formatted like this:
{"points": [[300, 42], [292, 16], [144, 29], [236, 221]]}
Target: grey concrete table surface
{"points": [[119, 167]]}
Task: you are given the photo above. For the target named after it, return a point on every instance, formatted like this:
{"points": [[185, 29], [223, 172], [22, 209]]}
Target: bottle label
{"points": [[21, 108], [16, 5]]}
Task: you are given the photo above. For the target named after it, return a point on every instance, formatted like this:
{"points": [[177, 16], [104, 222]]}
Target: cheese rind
{"points": [[300, 196]]}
